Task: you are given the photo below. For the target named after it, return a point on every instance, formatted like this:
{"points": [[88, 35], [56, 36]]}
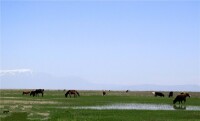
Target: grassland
{"points": [[55, 107]]}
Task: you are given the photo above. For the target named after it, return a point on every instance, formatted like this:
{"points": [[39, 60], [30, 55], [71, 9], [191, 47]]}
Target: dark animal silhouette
{"points": [[6, 111], [32, 93], [26, 92], [170, 94], [181, 97], [37, 91], [104, 93], [127, 91], [158, 94], [72, 92], [179, 107]]}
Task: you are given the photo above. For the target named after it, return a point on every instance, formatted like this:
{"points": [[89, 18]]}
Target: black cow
{"points": [[158, 94], [170, 94], [104, 93]]}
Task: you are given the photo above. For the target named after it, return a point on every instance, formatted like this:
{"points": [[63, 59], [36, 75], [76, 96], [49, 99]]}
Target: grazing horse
{"points": [[158, 94], [25, 92], [170, 94], [72, 92], [181, 97], [37, 91], [32, 93]]}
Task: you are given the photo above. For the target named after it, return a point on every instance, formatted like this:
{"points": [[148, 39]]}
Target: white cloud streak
{"points": [[15, 71]]}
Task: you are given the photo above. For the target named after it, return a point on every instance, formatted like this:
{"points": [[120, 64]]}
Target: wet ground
{"points": [[138, 106]]}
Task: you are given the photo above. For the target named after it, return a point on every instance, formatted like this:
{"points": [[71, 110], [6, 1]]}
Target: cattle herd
{"points": [[180, 98]]}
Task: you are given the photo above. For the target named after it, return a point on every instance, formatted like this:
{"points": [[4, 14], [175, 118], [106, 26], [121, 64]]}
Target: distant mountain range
{"points": [[46, 81]]}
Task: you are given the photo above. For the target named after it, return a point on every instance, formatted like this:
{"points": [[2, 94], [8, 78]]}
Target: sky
{"points": [[105, 43]]}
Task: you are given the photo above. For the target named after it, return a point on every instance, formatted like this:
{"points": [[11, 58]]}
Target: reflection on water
{"points": [[138, 106], [179, 107]]}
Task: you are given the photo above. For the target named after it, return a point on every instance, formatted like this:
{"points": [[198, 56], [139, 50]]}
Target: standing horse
{"points": [[32, 93], [37, 91], [181, 97], [25, 92], [72, 92]]}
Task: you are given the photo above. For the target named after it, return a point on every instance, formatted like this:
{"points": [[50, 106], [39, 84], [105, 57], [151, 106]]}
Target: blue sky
{"points": [[103, 42]]}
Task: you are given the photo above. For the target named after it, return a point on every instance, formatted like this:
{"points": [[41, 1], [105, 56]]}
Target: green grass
{"points": [[24, 108], [125, 115], [20, 116]]}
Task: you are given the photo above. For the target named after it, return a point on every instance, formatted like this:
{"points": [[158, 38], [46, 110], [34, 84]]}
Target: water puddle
{"points": [[138, 106]]}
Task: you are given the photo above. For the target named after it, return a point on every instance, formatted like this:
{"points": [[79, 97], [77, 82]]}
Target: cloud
{"points": [[15, 71]]}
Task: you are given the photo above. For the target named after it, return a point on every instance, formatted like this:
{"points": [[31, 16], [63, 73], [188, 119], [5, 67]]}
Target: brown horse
{"points": [[72, 92], [181, 97], [25, 92]]}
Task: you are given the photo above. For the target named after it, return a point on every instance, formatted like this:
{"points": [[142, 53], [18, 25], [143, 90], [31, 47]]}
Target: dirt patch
{"points": [[43, 114], [14, 107], [30, 114], [3, 98], [40, 116], [26, 102], [28, 106], [11, 97]]}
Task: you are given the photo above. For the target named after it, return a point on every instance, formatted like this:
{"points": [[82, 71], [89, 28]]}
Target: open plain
{"points": [[92, 106]]}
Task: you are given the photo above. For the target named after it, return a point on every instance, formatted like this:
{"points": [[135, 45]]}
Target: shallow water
{"points": [[139, 106]]}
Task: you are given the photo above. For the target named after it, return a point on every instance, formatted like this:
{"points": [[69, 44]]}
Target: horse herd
{"points": [[34, 93], [37, 91], [179, 98]]}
